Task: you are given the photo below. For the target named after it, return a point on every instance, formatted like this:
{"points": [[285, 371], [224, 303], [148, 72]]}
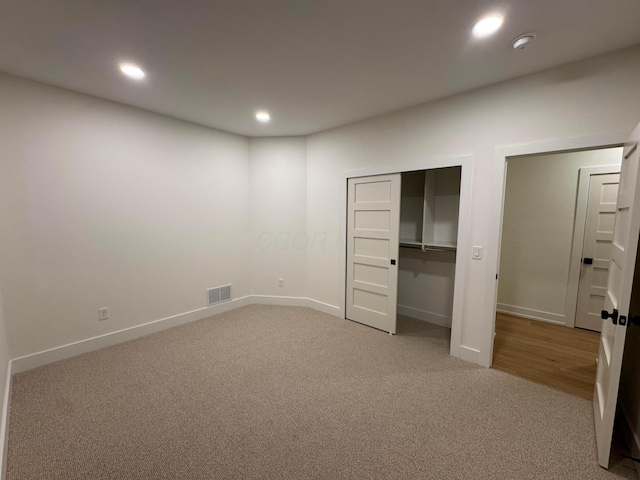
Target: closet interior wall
{"points": [[430, 202]]}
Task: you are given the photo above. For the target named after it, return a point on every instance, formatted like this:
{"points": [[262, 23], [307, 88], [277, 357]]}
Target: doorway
{"points": [[555, 251]]}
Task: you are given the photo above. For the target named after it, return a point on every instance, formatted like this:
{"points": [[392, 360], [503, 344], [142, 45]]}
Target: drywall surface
{"points": [[278, 215], [425, 285], [4, 363], [4, 394], [4, 350], [537, 230], [104, 205], [589, 97]]}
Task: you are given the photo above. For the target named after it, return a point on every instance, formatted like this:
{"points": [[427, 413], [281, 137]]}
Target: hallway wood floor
{"points": [[560, 357]]}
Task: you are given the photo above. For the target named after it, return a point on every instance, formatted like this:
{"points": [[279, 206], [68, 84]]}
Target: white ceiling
{"points": [[312, 64]]}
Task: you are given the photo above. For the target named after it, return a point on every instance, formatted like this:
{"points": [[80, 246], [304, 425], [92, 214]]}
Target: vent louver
{"points": [[225, 293], [218, 294]]}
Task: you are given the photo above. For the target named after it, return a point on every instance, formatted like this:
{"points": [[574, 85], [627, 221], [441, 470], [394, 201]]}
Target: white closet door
{"points": [[624, 248], [372, 250], [596, 250]]}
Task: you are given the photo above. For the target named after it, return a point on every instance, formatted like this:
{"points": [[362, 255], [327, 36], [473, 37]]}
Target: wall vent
{"points": [[225, 293], [218, 294]]}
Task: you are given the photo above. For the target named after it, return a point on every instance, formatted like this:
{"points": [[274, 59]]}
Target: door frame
{"points": [[501, 155], [575, 266], [463, 251]]}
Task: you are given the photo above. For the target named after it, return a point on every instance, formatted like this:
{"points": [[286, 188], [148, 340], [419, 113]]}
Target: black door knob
{"points": [[613, 316]]}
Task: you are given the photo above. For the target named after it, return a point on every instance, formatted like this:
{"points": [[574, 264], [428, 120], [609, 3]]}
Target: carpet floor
{"points": [[266, 392]]}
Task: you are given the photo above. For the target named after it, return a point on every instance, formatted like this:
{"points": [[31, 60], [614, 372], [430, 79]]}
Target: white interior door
{"points": [[618, 295], [373, 224], [596, 249]]}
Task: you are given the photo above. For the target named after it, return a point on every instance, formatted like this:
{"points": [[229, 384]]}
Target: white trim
{"points": [[575, 265], [469, 354], [532, 314], [492, 254], [51, 355], [4, 427], [463, 241], [429, 317], [45, 357], [324, 307], [296, 302]]}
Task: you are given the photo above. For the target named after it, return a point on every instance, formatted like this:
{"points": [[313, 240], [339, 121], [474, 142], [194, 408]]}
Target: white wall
{"points": [[589, 97], [537, 230], [104, 205], [4, 364], [278, 215], [425, 285]]}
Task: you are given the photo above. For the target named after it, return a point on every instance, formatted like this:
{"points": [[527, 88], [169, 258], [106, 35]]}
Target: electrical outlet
{"points": [[281, 282], [103, 313]]}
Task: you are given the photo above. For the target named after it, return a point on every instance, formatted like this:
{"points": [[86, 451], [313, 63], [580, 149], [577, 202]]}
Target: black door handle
{"points": [[587, 261], [613, 316]]}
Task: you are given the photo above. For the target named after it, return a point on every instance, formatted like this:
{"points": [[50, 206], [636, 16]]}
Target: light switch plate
{"points": [[477, 253]]}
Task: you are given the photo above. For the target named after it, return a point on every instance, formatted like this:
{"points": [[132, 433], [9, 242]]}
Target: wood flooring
{"points": [[554, 355]]}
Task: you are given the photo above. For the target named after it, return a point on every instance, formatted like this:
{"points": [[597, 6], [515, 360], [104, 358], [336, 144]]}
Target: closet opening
{"points": [[429, 205], [403, 230]]}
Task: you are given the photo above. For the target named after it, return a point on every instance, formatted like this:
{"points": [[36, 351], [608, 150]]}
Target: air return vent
{"points": [[218, 294], [225, 293]]}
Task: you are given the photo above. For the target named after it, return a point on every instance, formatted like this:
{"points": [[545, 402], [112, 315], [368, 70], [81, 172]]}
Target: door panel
{"points": [[598, 235], [617, 299], [373, 224]]}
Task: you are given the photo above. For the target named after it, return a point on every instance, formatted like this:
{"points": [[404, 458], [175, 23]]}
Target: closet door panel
{"points": [[373, 223]]}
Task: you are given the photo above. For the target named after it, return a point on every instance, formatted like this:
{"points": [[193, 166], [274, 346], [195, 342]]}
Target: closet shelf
{"points": [[441, 245], [410, 243], [434, 246]]}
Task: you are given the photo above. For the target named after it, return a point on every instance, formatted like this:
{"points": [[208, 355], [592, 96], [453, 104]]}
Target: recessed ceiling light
{"points": [[132, 71], [487, 26], [263, 117]]}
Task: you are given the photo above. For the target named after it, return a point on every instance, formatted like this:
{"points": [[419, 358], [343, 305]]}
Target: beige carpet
{"points": [[291, 393]]}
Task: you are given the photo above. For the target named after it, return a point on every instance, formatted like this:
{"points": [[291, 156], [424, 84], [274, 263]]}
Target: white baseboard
{"points": [[532, 314], [470, 354], [325, 308], [435, 318], [297, 302], [45, 357], [4, 425]]}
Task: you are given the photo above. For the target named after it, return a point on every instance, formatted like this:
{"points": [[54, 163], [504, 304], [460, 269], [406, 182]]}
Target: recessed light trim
{"points": [[487, 26], [263, 117], [132, 71]]}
